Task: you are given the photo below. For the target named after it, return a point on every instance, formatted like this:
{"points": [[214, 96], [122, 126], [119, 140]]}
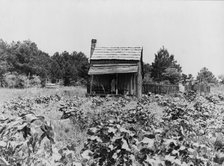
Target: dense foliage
{"points": [[165, 67], [69, 67], [206, 76], [188, 132], [221, 77], [26, 59], [186, 78], [147, 69]]}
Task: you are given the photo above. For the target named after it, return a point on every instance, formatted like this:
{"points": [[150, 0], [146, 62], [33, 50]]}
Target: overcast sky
{"points": [[193, 31]]}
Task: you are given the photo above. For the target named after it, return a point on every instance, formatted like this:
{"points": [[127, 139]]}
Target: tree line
{"points": [[23, 63], [166, 70]]}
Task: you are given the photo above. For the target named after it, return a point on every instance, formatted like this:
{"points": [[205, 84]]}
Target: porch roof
{"points": [[98, 69]]}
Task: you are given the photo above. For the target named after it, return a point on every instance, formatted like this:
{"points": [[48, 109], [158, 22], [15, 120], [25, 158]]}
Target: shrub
{"points": [[22, 81], [10, 80], [35, 81], [15, 80]]}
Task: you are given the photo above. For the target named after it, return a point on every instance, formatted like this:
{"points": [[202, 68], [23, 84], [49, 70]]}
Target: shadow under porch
{"points": [[124, 84]]}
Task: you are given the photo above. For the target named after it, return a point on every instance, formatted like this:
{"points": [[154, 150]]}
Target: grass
{"points": [[7, 94]]}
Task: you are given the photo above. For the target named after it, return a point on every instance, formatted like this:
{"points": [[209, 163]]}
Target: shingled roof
{"points": [[117, 53]]}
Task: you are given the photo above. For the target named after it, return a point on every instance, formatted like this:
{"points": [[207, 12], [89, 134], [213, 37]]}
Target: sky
{"points": [[193, 31]]}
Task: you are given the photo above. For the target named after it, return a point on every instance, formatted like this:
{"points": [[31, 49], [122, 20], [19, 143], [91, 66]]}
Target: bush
{"points": [[81, 82], [165, 82], [35, 81], [10, 80], [22, 81], [148, 79], [15, 80]]}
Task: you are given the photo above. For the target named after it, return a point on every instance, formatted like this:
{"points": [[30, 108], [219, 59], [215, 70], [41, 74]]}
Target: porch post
{"points": [[139, 80], [116, 85], [91, 85]]}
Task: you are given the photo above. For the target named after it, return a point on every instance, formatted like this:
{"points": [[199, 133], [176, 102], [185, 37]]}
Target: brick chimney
{"points": [[93, 45]]}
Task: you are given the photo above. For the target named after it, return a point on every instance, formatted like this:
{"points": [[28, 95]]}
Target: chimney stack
{"points": [[93, 45]]}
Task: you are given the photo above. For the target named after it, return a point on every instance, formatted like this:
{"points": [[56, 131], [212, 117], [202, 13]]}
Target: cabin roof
{"points": [[117, 53]]}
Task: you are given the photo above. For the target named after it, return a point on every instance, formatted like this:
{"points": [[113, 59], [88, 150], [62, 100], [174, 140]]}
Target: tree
{"points": [[221, 77], [82, 64], [69, 67], [55, 71], [184, 78], [172, 75], [4, 66], [163, 65], [26, 59], [190, 77], [206, 76], [147, 69]]}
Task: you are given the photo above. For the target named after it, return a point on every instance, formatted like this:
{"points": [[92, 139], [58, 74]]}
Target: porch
{"points": [[115, 84]]}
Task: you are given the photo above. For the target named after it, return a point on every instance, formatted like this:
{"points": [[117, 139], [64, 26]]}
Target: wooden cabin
{"points": [[115, 70]]}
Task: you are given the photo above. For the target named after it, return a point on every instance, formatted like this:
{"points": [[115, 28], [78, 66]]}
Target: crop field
{"points": [[63, 127]]}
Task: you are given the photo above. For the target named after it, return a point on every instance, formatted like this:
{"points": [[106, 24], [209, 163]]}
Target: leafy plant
{"points": [[189, 131], [21, 138]]}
